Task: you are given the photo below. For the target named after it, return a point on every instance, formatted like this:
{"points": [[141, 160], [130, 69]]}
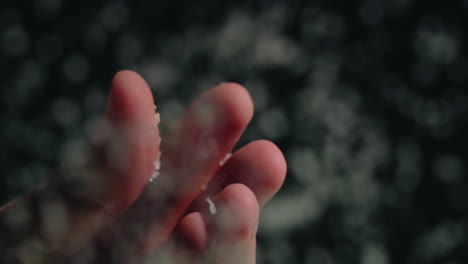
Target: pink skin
{"points": [[239, 188]]}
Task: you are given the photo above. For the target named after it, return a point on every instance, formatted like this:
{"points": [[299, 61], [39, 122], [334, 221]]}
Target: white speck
{"points": [[212, 206], [203, 187], [154, 175], [228, 156], [158, 119], [157, 164]]}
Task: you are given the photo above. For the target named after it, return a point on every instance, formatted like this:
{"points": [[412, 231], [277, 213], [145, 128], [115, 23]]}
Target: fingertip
{"points": [[238, 103], [128, 77], [130, 97], [238, 212], [271, 163], [123, 73], [260, 165], [192, 232], [225, 110]]}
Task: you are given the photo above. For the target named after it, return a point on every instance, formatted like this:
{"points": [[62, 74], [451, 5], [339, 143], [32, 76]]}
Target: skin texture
{"points": [[111, 213]]}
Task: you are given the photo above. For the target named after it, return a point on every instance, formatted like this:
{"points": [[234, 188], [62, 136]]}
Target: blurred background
{"points": [[366, 99]]}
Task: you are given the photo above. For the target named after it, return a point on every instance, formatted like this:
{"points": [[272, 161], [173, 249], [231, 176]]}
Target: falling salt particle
{"points": [[228, 156], [212, 206]]}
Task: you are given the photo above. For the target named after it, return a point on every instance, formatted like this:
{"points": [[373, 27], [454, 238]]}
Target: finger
{"points": [[133, 147], [235, 225], [90, 192], [188, 242], [260, 165], [224, 233], [121, 152], [191, 232], [191, 153]]}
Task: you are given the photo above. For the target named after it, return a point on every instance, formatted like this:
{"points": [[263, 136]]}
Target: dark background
{"points": [[366, 99]]}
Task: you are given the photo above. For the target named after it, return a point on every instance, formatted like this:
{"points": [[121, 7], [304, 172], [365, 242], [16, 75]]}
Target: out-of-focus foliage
{"points": [[366, 99]]}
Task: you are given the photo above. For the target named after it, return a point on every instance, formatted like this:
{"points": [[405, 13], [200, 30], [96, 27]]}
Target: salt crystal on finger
{"points": [[157, 119], [156, 163], [154, 175], [228, 156], [212, 206]]}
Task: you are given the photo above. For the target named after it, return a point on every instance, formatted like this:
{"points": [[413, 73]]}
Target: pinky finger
{"points": [[234, 225], [223, 232]]}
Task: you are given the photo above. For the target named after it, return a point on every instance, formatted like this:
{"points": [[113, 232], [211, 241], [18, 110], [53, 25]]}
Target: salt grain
{"points": [[157, 164], [228, 156], [212, 206], [154, 175], [158, 119]]}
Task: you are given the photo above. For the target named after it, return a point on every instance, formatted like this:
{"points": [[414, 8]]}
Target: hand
{"points": [[101, 207]]}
